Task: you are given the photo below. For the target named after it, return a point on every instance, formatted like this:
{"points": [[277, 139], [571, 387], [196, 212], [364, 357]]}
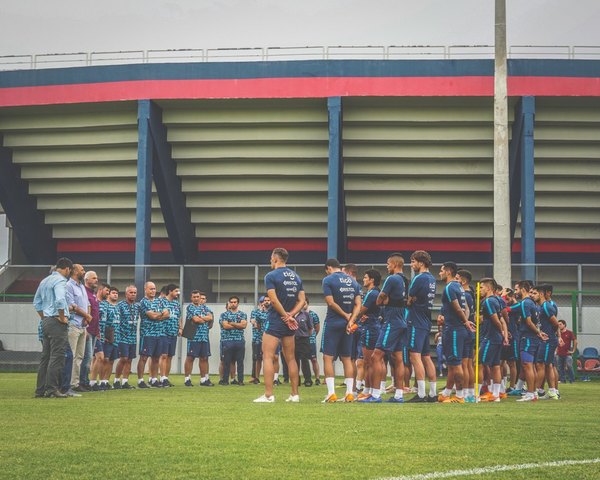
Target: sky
{"points": [[42, 26]]}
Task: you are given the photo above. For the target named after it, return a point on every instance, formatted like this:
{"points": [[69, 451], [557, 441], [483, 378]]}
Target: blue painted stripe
{"points": [[546, 352], [515, 349], [322, 335], [413, 331], [367, 337], [250, 70], [448, 293]]}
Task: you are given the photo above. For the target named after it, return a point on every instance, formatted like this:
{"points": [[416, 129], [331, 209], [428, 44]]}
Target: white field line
{"points": [[492, 469]]}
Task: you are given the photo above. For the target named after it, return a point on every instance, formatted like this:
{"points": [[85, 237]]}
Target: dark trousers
{"points": [[286, 374], [52, 362], [233, 352], [303, 356], [65, 376]]}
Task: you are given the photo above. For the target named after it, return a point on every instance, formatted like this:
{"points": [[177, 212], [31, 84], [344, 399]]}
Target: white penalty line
{"points": [[492, 469]]}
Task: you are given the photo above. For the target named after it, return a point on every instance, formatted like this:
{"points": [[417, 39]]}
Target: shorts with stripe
{"points": [[546, 353], [198, 349], [454, 343], [392, 337], [489, 353], [510, 352], [370, 335], [528, 349], [335, 341], [418, 340]]}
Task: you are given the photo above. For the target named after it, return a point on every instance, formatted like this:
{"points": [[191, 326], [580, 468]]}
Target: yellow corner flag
{"points": [[477, 302]]}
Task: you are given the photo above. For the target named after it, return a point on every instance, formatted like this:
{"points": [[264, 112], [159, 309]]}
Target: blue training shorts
{"points": [[418, 340], [127, 350], [489, 353], [392, 337], [198, 349], [335, 341], [370, 335], [545, 353], [277, 328], [528, 349], [167, 345], [455, 345], [111, 352], [98, 347], [313, 350], [151, 347]]}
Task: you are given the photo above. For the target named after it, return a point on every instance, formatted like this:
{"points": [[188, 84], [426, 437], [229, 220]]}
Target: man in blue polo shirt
{"points": [[129, 312], [464, 277], [421, 294], [50, 303], [456, 332], [172, 328], [285, 290], [316, 321], [199, 346], [343, 298], [233, 323]]}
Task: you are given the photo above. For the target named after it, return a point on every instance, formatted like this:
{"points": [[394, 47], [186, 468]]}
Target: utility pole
{"points": [[502, 241]]}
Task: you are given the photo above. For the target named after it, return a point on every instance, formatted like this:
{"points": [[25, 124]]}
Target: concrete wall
{"points": [[19, 323], [18, 332]]}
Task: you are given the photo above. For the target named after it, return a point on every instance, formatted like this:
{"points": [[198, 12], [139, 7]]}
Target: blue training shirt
{"points": [[394, 287], [260, 317], [453, 291], [373, 310], [548, 310], [149, 327], [233, 335], [171, 324], [113, 320], [344, 289], [422, 287], [489, 307], [287, 285], [202, 331], [129, 315], [315, 321], [529, 309]]}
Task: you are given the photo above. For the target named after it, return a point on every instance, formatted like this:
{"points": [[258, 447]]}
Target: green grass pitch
{"points": [[219, 433]]}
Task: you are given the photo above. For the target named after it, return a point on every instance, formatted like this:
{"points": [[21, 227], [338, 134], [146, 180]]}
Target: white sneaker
{"points": [[293, 399], [265, 399]]}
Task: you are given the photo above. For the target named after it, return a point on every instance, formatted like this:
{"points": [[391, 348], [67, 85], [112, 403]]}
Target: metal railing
{"points": [[318, 52]]}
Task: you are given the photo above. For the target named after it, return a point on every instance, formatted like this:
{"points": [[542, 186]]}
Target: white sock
{"points": [[520, 384], [446, 392], [460, 393], [399, 393], [204, 378], [140, 380], [330, 382], [367, 391], [433, 389], [187, 378], [92, 383], [103, 382], [382, 387], [349, 385], [503, 382], [376, 393], [496, 390], [479, 385], [162, 378], [421, 388], [540, 391], [552, 390], [276, 377], [359, 384], [153, 379], [502, 387], [472, 392]]}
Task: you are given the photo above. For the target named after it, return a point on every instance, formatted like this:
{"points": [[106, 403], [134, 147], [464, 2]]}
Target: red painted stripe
{"points": [[558, 246], [554, 86], [442, 245], [109, 245], [248, 88], [261, 244]]}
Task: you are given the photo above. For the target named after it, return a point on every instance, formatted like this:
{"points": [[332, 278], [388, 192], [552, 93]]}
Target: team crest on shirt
{"points": [[346, 280], [291, 275]]}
